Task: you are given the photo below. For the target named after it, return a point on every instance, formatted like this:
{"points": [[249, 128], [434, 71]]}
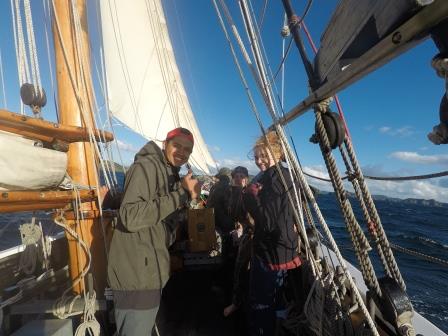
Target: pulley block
{"points": [[32, 96], [335, 128], [396, 306]]}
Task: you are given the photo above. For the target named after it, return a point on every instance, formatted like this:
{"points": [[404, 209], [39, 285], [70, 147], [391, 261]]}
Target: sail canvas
{"points": [[145, 89]]}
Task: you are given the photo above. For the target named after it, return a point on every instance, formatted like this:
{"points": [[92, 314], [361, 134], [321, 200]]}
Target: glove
{"points": [[253, 189]]}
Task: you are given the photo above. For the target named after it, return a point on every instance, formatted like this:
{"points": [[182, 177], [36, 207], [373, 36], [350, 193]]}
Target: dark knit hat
{"points": [[240, 170]]}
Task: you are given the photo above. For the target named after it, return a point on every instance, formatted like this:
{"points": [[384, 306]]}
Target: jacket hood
{"points": [[151, 149]]}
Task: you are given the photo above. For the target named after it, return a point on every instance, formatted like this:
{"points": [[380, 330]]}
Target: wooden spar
{"points": [[38, 129], [400, 40], [13, 201], [81, 165]]}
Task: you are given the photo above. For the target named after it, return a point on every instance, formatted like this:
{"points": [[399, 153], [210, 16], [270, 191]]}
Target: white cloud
{"points": [[414, 157], [402, 132], [126, 146]]}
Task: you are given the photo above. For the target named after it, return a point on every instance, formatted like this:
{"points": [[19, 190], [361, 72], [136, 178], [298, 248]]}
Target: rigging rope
{"points": [[302, 179], [3, 81], [388, 178]]}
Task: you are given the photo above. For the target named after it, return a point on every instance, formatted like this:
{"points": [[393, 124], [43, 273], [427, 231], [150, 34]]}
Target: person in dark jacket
{"points": [[219, 200], [139, 261], [275, 240]]}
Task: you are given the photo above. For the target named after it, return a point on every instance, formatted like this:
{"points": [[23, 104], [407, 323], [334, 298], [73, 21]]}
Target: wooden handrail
{"points": [[47, 131]]}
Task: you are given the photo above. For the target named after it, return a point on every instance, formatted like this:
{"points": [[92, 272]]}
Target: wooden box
{"points": [[201, 230]]}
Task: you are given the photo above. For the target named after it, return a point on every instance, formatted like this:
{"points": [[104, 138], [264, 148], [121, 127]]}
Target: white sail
{"points": [[37, 168], [145, 89]]}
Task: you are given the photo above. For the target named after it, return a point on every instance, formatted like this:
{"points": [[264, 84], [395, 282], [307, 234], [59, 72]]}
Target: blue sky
{"points": [[389, 112]]}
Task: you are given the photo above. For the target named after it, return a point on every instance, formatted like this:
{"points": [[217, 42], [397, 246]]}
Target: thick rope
{"points": [[378, 227], [358, 237], [370, 224]]}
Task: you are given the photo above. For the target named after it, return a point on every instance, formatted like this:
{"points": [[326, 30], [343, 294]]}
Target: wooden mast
{"points": [[81, 165]]}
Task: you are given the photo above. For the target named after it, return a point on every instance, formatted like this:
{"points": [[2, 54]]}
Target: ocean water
{"points": [[417, 227]]}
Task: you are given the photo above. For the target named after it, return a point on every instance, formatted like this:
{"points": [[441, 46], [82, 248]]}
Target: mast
{"points": [[81, 165]]}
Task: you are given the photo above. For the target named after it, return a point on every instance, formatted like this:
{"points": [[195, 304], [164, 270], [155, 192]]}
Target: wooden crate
{"points": [[201, 230]]}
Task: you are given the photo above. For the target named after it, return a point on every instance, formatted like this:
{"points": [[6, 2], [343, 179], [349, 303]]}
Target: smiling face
{"points": [[178, 150], [263, 158]]}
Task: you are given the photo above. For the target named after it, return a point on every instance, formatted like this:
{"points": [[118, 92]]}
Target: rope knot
{"points": [[285, 31], [351, 176], [324, 105], [371, 225], [440, 65], [293, 21]]}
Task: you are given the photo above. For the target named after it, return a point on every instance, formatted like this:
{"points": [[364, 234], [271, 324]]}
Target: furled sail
{"points": [[38, 168], [145, 89]]}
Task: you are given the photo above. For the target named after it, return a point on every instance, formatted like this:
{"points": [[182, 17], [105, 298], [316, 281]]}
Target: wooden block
{"points": [[201, 230]]}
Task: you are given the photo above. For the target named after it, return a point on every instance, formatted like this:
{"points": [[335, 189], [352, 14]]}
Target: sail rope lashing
{"points": [[28, 65], [37, 247], [303, 180], [35, 72], [21, 59]]}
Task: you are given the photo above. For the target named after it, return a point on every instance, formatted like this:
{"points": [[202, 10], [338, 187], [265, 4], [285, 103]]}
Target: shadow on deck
{"points": [[192, 305]]}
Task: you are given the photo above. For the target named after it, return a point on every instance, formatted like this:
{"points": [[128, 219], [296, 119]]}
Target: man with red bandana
{"points": [[139, 261]]}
